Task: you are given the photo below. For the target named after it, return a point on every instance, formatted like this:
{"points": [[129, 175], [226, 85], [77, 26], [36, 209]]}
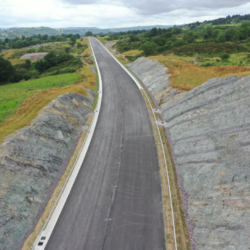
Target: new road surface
{"points": [[115, 203]]}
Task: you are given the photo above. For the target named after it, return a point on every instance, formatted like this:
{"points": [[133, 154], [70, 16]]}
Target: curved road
{"points": [[115, 203]]}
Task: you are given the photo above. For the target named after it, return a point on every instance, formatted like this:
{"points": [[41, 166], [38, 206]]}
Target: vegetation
{"points": [[210, 39], [22, 101], [187, 76], [88, 33], [28, 32], [17, 43], [15, 93], [61, 59]]}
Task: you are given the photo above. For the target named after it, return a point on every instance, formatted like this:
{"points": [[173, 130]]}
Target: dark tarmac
{"points": [[115, 203]]}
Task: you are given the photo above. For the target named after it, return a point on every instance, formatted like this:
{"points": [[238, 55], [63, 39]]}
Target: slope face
{"points": [[151, 73], [33, 160], [210, 134]]}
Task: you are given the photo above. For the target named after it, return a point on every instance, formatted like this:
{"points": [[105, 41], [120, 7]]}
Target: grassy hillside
{"points": [[20, 102], [187, 76], [15, 93], [195, 52]]}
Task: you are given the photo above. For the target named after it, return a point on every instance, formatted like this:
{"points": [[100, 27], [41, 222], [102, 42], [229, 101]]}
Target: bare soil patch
{"points": [[34, 56]]}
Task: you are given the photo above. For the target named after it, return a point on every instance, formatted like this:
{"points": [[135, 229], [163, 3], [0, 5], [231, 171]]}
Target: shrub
{"points": [[148, 48], [160, 41], [224, 57], [67, 50], [6, 70], [178, 43], [207, 64]]}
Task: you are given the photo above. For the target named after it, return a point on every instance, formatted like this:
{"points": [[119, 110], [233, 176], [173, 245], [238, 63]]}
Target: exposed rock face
{"points": [[209, 133], [32, 160], [34, 56], [151, 73]]}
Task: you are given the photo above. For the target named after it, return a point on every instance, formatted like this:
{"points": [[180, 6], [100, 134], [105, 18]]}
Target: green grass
{"points": [[12, 94]]}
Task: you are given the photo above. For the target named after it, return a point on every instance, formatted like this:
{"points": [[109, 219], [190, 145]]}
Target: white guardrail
{"points": [[146, 94], [50, 223]]}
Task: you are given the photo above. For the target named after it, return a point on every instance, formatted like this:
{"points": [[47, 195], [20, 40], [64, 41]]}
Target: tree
{"points": [[153, 32], [245, 24], [215, 33], [88, 33], [160, 41], [28, 62], [221, 37], [229, 34], [79, 45], [51, 59], [73, 40], [6, 70], [208, 32], [131, 38], [67, 49], [148, 48], [189, 37]]}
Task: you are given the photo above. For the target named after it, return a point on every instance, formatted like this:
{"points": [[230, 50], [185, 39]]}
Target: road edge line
{"points": [[146, 94], [129, 73], [62, 198]]}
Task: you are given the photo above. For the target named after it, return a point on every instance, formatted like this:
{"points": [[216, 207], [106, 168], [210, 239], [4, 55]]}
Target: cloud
{"points": [[149, 7], [110, 14]]}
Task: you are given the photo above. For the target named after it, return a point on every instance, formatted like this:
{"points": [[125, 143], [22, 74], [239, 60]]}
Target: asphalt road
{"points": [[115, 203]]}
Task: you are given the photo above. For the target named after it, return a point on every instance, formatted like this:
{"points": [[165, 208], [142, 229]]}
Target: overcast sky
{"points": [[118, 13]]}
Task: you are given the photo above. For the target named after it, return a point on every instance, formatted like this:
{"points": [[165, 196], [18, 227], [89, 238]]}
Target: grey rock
{"points": [[32, 161], [210, 133], [153, 74], [208, 130]]}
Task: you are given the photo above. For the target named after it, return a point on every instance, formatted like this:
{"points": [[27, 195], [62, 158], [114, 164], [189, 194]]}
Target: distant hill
{"points": [[19, 32]]}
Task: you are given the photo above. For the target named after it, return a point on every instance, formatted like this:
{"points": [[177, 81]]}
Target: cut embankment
{"points": [[208, 132], [155, 78], [33, 161]]}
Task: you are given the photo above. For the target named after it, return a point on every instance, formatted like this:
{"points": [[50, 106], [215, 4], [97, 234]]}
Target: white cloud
{"points": [[119, 13]]}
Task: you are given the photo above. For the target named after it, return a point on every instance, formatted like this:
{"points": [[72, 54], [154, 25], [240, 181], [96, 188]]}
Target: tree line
{"points": [[18, 43]]}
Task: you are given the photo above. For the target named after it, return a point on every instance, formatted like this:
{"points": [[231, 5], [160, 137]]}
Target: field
{"points": [[37, 94], [15, 93]]}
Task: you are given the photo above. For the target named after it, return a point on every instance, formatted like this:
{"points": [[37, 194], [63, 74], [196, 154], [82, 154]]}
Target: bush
{"points": [[6, 70], [67, 50], [207, 64], [178, 43], [224, 57], [148, 48], [160, 41], [28, 62]]}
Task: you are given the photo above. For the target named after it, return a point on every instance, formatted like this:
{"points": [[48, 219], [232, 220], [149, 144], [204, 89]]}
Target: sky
{"points": [[114, 14]]}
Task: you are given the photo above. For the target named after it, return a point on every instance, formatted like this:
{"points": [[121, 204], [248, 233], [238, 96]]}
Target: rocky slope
{"points": [[209, 133], [152, 74], [32, 161]]}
